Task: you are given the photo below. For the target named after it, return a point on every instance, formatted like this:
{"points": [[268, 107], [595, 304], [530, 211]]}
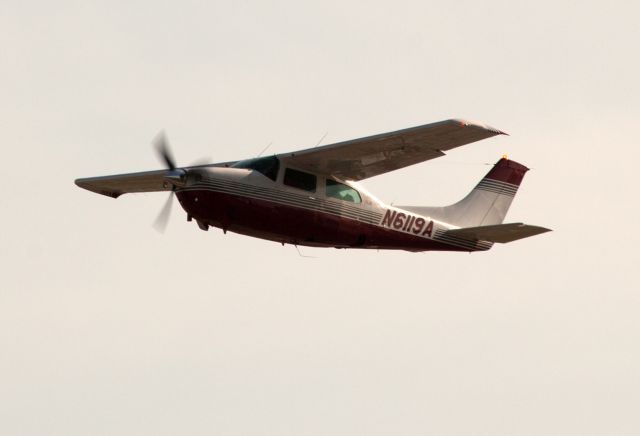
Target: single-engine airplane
{"points": [[312, 197]]}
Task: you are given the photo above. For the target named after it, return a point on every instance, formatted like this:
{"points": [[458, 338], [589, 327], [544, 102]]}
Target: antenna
{"points": [[265, 149], [322, 139], [302, 255]]}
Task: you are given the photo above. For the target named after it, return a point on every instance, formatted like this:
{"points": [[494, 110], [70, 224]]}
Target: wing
{"points": [[116, 185], [367, 157]]}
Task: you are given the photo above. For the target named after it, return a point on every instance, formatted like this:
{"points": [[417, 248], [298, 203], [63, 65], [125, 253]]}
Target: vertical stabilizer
{"points": [[489, 201]]}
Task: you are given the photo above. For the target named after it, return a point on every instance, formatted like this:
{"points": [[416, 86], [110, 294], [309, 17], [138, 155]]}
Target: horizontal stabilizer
{"points": [[115, 186], [498, 233]]}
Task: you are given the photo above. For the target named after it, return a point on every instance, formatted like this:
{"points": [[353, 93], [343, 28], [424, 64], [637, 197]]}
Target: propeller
{"points": [[161, 144], [160, 224], [174, 176]]}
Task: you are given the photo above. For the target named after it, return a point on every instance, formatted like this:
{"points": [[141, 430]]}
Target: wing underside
{"points": [[373, 155]]}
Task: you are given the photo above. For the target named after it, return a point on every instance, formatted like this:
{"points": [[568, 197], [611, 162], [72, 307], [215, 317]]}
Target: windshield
{"points": [[267, 166]]}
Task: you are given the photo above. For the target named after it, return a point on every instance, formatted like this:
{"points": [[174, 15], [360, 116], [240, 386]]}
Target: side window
{"points": [[300, 180], [342, 192]]}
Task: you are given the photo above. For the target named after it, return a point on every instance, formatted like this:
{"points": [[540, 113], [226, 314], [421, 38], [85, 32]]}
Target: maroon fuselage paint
{"points": [[296, 225]]}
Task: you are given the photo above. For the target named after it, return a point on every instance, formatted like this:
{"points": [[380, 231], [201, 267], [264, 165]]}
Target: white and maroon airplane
{"points": [[311, 197]]}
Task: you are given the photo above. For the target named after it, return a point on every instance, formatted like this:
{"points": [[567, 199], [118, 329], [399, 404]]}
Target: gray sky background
{"points": [[107, 327]]}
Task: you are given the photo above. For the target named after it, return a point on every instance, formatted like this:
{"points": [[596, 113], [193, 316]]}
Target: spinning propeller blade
{"points": [[160, 224], [161, 144]]}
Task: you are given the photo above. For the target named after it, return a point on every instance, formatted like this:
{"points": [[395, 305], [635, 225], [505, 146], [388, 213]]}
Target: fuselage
{"points": [[290, 206]]}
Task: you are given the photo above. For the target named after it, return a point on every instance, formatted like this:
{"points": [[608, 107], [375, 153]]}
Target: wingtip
{"points": [[467, 123], [539, 229], [84, 184]]}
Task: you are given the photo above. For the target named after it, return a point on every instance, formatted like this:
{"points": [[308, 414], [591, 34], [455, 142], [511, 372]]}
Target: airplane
{"points": [[313, 197]]}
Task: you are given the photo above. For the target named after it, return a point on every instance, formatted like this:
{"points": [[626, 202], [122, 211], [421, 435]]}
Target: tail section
{"points": [[489, 201]]}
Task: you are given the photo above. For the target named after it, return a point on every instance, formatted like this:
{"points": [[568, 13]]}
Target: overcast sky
{"points": [[107, 327]]}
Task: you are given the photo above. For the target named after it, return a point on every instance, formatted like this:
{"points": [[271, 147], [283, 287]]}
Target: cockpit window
{"points": [[342, 192], [267, 166]]}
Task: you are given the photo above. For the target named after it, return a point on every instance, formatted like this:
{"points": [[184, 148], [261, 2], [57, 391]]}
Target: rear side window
{"points": [[300, 180], [342, 192]]}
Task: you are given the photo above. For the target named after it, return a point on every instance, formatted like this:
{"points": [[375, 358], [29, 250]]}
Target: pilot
{"points": [[347, 196]]}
